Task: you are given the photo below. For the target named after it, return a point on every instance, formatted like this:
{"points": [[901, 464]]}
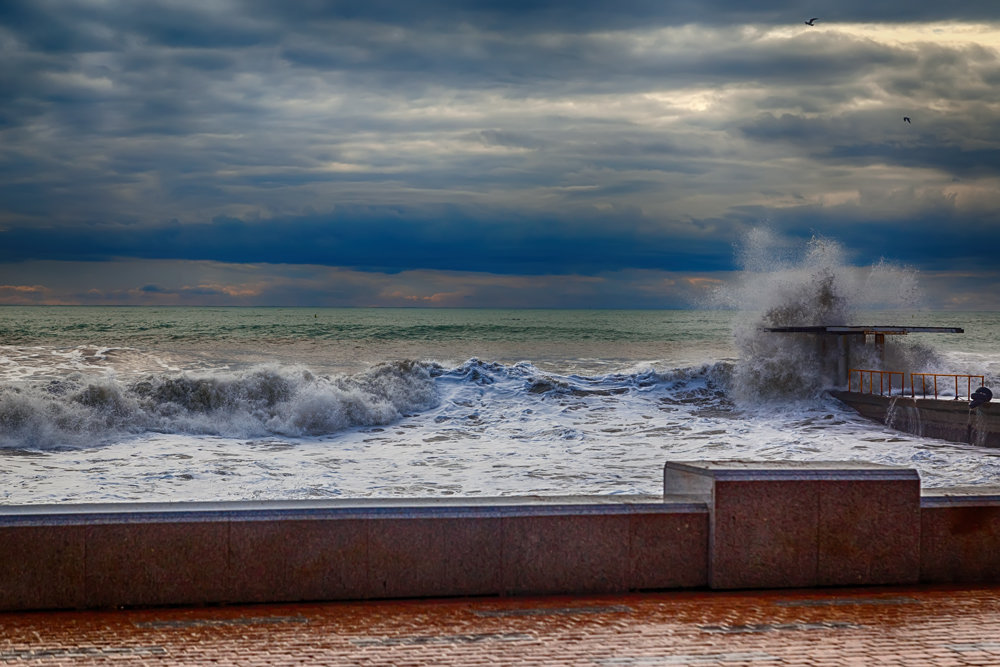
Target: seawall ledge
{"points": [[355, 508], [718, 525], [959, 496], [152, 554]]}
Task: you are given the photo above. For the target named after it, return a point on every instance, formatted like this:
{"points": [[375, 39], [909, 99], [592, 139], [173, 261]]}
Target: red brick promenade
{"points": [[885, 626]]}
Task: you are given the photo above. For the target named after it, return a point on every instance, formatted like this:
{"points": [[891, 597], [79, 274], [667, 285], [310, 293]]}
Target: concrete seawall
{"points": [[720, 525], [114, 555], [947, 419]]}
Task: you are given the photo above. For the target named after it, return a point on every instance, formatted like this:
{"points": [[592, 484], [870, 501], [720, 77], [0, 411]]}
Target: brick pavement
{"points": [[885, 626]]}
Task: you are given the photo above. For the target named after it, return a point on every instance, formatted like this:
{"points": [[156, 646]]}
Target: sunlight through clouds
{"points": [[564, 139]]}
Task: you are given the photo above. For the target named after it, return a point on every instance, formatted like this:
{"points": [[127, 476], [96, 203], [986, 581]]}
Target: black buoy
{"points": [[980, 396]]}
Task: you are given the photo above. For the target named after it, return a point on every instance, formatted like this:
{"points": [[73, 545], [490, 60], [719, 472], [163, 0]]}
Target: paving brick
{"points": [[892, 626]]}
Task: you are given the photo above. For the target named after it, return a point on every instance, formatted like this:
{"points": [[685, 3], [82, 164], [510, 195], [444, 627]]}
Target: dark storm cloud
{"points": [[956, 144], [387, 240], [56, 26], [940, 238], [588, 15], [549, 138], [950, 159]]}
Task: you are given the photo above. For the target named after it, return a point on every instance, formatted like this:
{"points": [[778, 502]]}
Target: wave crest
{"points": [[294, 402], [263, 401]]}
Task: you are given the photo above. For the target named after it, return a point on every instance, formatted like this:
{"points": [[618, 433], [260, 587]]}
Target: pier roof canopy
{"points": [[849, 330]]}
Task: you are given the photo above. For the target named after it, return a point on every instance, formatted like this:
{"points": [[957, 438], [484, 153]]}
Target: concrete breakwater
{"points": [[718, 525], [947, 419]]}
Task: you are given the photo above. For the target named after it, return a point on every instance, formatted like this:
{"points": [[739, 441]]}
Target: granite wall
{"points": [[719, 525], [171, 555]]}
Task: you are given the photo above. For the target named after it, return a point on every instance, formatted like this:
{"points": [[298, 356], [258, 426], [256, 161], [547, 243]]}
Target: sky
{"points": [[445, 153]]}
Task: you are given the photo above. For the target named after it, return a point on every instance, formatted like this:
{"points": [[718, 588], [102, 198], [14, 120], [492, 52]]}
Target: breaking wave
{"points": [[782, 285], [267, 400], [293, 402]]}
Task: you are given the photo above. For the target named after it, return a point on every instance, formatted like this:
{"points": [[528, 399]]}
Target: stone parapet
{"points": [[719, 524], [960, 535], [804, 524], [201, 553]]}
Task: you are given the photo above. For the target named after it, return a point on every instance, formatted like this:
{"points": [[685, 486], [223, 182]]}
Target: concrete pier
{"points": [[722, 525]]}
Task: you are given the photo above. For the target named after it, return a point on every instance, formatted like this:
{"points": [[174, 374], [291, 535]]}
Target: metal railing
{"points": [[923, 383], [884, 380], [886, 383]]}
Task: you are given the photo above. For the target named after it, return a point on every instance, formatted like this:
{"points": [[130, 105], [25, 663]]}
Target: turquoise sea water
{"points": [[159, 326], [101, 404], [352, 339]]}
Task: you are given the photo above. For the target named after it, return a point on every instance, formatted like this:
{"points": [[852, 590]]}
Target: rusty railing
{"points": [[884, 380], [923, 383]]}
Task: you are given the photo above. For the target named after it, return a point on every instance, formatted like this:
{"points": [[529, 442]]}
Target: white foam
{"points": [[80, 410], [491, 434], [94, 423]]}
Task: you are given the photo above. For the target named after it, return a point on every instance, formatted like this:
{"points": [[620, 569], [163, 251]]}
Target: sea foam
{"points": [[812, 284], [266, 400]]}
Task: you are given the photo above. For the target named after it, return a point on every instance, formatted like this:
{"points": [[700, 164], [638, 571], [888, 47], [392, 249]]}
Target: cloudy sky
{"points": [[575, 153]]}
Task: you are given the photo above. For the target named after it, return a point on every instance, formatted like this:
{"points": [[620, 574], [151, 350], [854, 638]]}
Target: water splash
{"points": [[811, 284], [262, 401]]}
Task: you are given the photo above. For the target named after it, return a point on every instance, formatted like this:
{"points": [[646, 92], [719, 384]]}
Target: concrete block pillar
{"points": [[803, 524]]}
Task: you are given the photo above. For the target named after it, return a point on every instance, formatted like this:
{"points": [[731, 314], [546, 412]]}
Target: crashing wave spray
{"points": [[262, 401], [781, 285]]}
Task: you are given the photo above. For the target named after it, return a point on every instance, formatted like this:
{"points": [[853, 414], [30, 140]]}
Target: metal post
{"points": [[842, 365]]}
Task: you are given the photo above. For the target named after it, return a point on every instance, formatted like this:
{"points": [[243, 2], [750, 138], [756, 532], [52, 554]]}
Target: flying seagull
{"points": [[810, 21], [907, 119]]}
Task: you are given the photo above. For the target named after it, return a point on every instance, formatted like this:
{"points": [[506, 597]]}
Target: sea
{"points": [[127, 404]]}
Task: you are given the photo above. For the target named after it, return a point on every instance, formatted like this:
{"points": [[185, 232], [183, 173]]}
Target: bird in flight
{"points": [[810, 21], [907, 119]]}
